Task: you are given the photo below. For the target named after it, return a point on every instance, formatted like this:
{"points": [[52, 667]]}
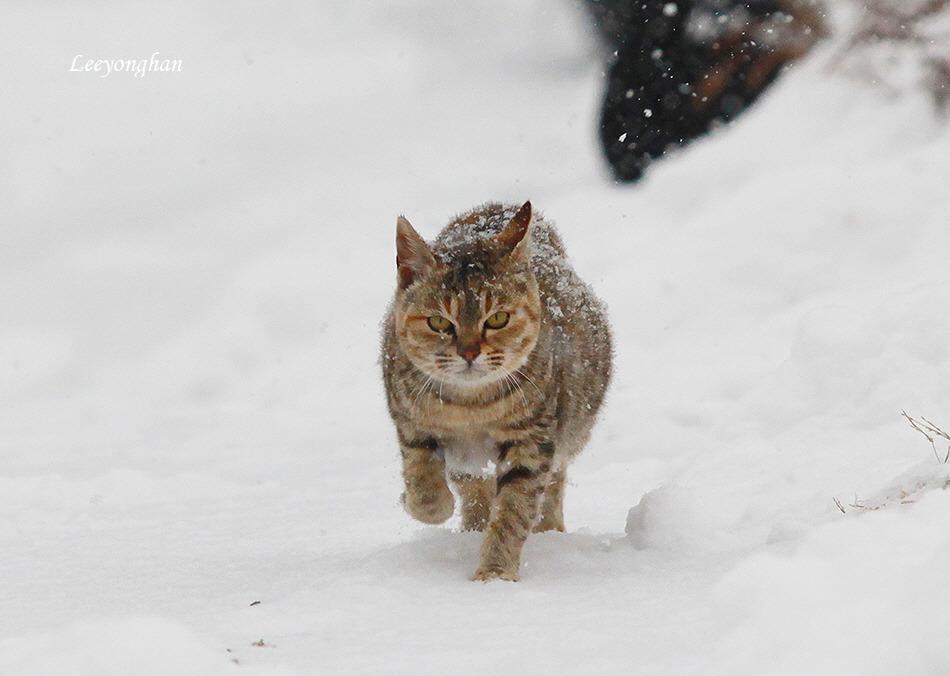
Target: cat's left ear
{"points": [[516, 234], [413, 256]]}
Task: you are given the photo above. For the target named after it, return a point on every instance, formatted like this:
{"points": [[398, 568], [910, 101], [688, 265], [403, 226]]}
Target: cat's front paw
{"points": [[431, 508], [494, 572]]}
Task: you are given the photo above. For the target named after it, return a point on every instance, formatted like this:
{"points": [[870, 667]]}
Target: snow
{"points": [[197, 472], [134, 645]]}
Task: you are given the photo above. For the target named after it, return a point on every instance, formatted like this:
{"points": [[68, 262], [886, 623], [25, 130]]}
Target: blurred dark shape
{"points": [[679, 68]]}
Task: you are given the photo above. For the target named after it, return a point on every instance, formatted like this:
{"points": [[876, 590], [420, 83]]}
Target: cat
{"points": [[496, 358]]}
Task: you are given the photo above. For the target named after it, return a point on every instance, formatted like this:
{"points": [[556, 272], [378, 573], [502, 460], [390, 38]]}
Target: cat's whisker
{"points": [[415, 393], [510, 391], [426, 384], [521, 393], [525, 376], [515, 386]]}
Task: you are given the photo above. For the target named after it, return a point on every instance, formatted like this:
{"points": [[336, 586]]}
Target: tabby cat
{"points": [[495, 357]]}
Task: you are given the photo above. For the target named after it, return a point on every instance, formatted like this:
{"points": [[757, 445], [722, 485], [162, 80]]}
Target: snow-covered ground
{"points": [[197, 472]]}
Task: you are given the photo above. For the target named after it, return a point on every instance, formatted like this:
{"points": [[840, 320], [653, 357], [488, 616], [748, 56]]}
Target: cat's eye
{"points": [[437, 323], [497, 321]]}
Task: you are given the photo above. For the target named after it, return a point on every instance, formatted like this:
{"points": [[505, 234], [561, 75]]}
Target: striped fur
{"points": [[498, 413]]}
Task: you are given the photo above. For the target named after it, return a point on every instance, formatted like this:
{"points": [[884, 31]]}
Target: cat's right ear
{"points": [[517, 233], [413, 256]]}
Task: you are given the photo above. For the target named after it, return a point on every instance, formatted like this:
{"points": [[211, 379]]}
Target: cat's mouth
{"points": [[470, 373], [471, 370]]}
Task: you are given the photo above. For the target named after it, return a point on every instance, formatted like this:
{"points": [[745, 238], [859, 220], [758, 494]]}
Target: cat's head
{"points": [[468, 314]]}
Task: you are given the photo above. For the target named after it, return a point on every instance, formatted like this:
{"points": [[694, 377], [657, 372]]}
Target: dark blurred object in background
{"points": [[679, 68]]}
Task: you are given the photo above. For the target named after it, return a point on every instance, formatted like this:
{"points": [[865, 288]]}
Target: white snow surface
{"points": [[197, 471]]}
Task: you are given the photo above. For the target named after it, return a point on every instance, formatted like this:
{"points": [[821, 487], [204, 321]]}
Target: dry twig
{"points": [[927, 428]]}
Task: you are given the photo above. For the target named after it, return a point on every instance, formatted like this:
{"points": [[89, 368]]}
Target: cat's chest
{"points": [[475, 456], [467, 419]]}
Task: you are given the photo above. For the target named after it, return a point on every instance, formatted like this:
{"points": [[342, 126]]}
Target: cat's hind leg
{"points": [[552, 504], [476, 495]]}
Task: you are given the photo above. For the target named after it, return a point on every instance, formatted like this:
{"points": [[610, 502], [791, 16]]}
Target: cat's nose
{"points": [[469, 352]]}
